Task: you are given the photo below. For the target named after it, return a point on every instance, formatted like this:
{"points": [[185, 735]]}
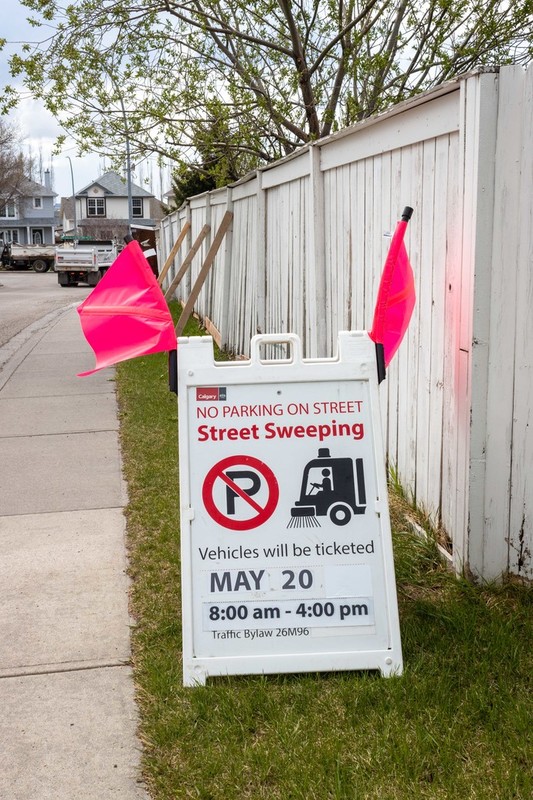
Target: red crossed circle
{"points": [[262, 513]]}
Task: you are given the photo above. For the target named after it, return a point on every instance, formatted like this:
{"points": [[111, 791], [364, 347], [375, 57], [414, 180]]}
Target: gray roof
{"points": [[113, 184], [29, 188]]}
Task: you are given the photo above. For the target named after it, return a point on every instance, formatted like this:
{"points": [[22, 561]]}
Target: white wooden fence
{"points": [[305, 254]]}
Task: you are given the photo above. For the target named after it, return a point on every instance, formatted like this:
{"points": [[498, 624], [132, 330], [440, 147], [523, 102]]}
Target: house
{"points": [[27, 217], [100, 210]]}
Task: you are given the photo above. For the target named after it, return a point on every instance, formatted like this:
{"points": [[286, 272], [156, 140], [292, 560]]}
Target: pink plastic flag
{"points": [[396, 295], [126, 314]]}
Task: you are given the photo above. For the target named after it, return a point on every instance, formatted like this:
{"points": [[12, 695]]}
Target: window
{"points": [[9, 236], [37, 202], [7, 210], [95, 207], [137, 206]]}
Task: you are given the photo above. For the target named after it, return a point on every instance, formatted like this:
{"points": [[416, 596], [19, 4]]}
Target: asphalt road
{"points": [[26, 297]]}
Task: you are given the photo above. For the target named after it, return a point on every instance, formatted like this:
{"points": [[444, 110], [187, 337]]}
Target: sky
{"points": [[39, 129]]}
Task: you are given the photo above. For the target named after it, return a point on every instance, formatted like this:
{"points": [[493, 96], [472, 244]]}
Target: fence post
{"points": [[317, 305], [261, 256], [481, 108], [188, 217], [225, 336]]}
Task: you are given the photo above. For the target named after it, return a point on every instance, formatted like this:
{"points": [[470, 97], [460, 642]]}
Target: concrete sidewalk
{"points": [[68, 717]]}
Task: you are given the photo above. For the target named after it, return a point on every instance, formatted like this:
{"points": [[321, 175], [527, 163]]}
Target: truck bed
{"points": [[83, 263]]}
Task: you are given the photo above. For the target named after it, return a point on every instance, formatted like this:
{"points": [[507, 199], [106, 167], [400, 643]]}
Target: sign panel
{"points": [[286, 548]]}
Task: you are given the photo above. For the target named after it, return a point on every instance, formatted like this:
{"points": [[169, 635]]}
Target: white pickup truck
{"points": [[40, 257], [83, 262]]}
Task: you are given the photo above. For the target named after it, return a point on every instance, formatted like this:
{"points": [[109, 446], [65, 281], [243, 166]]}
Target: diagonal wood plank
{"points": [[202, 275], [187, 261], [173, 252]]}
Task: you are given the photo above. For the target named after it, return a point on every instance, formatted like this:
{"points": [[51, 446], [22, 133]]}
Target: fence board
{"points": [[443, 152], [425, 317], [521, 520]]}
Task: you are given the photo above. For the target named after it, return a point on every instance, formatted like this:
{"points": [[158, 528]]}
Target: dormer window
{"points": [[137, 206], [96, 207]]}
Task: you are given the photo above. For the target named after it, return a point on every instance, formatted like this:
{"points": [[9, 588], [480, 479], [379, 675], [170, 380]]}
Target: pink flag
{"points": [[396, 295], [126, 314]]}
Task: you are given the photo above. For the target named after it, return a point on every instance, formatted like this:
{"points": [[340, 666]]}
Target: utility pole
{"points": [[128, 161], [128, 157], [74, 200]]}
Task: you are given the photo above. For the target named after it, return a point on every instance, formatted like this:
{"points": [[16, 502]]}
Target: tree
{"points": [[256, 80], [14, 167], [218, 163]]}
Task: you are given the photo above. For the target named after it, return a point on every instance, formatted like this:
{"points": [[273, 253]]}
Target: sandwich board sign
{"points": [[286, 549]]}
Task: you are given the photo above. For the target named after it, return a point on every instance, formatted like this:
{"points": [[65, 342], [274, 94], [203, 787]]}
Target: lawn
{"points": [[457, 724]]}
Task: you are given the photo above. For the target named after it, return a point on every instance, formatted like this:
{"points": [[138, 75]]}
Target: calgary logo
{"points": [[210, 393]]}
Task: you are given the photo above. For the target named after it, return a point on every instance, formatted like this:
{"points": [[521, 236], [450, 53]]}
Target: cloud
{"points": [[36, 122]]}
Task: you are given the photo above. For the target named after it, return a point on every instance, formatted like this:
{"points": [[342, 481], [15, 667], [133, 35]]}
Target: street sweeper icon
{"points": [[330, 487]]}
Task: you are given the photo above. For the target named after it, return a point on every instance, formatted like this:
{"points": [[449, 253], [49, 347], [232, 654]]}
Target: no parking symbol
{"points": [[240, 492]]}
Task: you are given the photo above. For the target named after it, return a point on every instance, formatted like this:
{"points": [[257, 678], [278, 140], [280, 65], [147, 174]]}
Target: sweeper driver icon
{"points": [[330, 487]]}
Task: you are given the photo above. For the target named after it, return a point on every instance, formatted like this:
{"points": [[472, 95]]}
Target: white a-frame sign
{"points": [[287, 561]]}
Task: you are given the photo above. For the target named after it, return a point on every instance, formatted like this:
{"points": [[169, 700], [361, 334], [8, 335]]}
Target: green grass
{"points": [[457, 724]]}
